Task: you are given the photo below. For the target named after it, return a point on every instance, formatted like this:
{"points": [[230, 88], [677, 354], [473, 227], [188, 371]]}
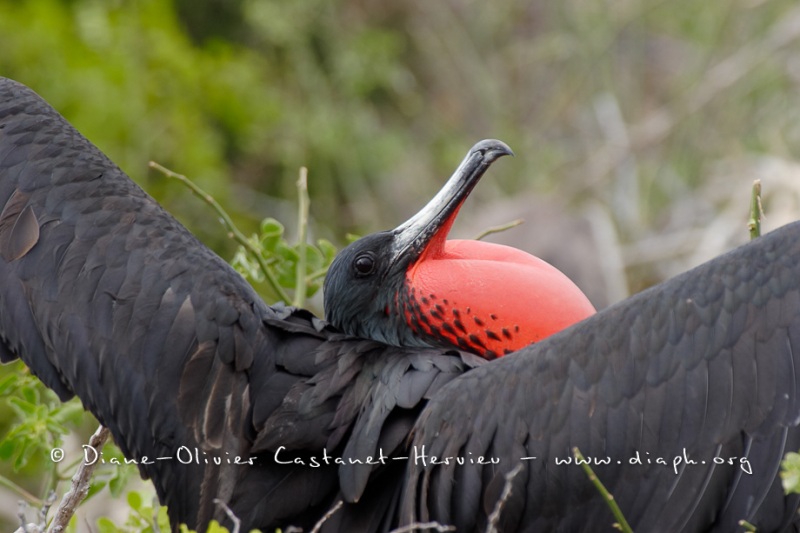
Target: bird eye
{"points": [[365, 265]]}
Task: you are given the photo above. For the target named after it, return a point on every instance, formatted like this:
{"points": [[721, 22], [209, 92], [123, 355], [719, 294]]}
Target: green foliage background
{"points": [[381, 99]]}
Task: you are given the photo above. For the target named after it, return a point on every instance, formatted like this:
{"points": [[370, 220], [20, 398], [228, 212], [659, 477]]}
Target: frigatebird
{"points": [[411, 286], [686, 395]]}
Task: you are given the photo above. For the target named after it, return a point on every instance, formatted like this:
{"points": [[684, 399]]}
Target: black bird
{"points": [[690, 389], [412, 287]]}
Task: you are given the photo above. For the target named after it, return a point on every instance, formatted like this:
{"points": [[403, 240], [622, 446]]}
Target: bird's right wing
{"points": [[690, 392], [104, 295]]}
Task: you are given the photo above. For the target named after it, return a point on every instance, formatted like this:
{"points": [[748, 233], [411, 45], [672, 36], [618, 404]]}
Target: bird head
{"points": [[410, 286]]}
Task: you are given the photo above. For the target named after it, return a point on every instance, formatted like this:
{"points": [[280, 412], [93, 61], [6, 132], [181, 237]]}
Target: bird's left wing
{"points": [[685, 397]]}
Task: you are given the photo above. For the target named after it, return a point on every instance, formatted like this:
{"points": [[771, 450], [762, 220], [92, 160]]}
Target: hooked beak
{"points": [[428, 229]]}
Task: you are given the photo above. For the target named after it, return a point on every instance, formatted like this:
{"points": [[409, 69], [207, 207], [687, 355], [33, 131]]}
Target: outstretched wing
{"points": [[105, 296], [690, 392]]}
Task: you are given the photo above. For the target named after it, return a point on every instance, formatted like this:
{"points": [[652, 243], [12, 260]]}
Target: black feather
{"points": [[114, 301]]}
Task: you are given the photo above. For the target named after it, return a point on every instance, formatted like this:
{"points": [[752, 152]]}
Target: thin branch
{"points": [[750, 528], [317, 274], [235, 233], [237, 523], [10, 485], [80, 485], [405, 529], [302, 232], [41, 526], [154, 516], [422, 526], [622, 523], [494, 518], [24, 527], [497, 229], [45, 509], [327, 516], [756, 211]]}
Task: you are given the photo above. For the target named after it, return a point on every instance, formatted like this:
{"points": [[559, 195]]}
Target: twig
{"points": [[621, 524], [302, 231], [80, 484], [24, 527], [48, 503], [404, 529], [237, 523], [40, 527], [497, 229], [154, 516], [423, 525], [30, 498], [750, 528], [494, 518], [314, 276], [235, 233], [756, 211], [327, 516]]}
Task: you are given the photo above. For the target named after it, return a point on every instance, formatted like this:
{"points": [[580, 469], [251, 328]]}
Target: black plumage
{"points": [[105, 296]]}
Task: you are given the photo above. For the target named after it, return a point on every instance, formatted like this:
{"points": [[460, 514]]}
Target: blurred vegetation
{"points": [[655, 111], [634, 105]]}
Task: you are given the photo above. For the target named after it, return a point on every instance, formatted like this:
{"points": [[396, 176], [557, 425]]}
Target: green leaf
{"points": [[24, 408], [287, 253], [215, 527], [315, 259], [243, 264], [106, 525], [6, 449], [31, 393], [162, 519], [96, 486], [8, 384], [328, 250], [135, 500], [271, 234], [53, 426], [790, 473], [119, 481], [70, 412]]}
